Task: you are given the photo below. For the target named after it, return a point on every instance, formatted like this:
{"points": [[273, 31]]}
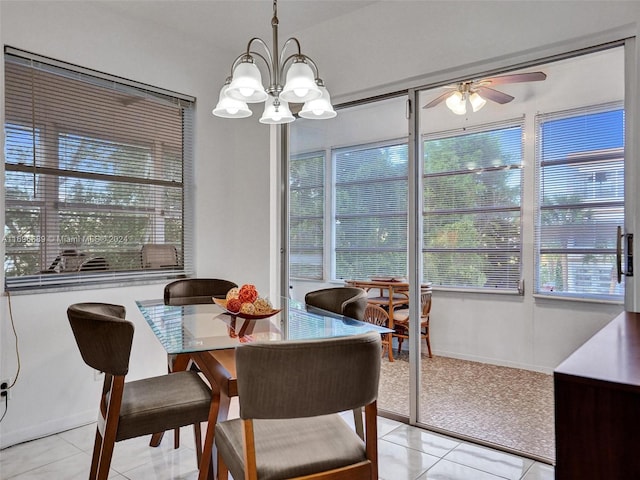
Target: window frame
{"points": [[333, 217], [519, 123], [590, 155], [48, 197], [323, 201]]}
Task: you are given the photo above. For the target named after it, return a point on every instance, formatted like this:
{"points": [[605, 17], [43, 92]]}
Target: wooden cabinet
{"points": [[597, 405]]}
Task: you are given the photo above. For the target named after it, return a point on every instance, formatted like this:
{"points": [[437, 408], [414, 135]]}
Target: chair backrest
{"points": [[190, 291], [103, 336], [425, 303], [293, 379], [347, 301], [376, 314], [94, 264], [159, 255]]}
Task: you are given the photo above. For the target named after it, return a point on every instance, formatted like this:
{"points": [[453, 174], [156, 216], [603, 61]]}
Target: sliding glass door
{"points": [[521, 181], [348, 210], [499, 196]]}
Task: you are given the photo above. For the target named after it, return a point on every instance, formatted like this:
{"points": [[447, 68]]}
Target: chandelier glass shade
{"points": [[320, 108], [228, 107], [457, 101], [302, 85], [246, 84], [476, 101], [276, 114]]}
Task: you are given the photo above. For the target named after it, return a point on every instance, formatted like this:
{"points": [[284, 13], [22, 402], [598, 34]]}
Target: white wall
{"points": [[385, 43], [55, 390]]}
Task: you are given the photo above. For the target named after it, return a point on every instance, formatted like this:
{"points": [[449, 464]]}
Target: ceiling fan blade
{"points": [[437, 100], [494, 95], [514, 78]]}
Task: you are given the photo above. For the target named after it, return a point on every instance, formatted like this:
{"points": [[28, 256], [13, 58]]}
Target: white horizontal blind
{"points": [[472, 196], [94, 170], [370, 210], [580, 155], [306, 215]]}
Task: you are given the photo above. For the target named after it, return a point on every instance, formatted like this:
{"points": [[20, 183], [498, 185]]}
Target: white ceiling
{"points": [[230, 24]]}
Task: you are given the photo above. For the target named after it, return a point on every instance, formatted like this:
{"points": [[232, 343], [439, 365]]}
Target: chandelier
{"points": [[302, 84]]}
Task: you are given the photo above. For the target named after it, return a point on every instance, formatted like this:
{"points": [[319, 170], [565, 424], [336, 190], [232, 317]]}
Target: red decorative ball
{"points": [[248, 293], [234, 305]]}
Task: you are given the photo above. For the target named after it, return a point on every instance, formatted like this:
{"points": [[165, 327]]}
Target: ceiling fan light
{"points": [[228, 107], [456, 103], [246, 84], [476, 101], [300, 85], [276, 114], [320, 108]]}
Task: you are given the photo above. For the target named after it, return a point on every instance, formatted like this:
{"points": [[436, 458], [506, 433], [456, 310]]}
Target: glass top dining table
{"points": [[205, 327]]}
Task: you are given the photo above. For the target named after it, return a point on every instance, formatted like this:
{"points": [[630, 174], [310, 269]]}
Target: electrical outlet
{"points": [[98, 376], [4, 388]]}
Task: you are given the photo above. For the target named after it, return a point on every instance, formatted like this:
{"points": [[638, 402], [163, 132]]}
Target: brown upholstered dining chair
{"points": [[190, 291], [290, 397], [347, 301], [132, 409], [378, 316], [401, 321]]}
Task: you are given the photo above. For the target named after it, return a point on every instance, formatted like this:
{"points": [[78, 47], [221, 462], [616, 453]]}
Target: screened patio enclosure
{"points": [[516, 218]]}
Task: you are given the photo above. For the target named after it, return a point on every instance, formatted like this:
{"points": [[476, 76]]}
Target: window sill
{"points": [[568, 298]]}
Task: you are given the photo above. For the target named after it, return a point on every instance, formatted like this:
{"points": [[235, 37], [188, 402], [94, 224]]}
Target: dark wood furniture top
{"points": [[597, 405], [612, 355]]}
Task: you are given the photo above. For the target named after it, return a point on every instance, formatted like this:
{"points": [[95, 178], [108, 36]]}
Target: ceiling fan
{"points": [[479, 91]]}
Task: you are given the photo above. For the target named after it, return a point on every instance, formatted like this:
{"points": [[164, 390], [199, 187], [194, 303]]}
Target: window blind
{"points": [[580, 155], [306, 215], [472, 195], [95, 169], [370, 218]]}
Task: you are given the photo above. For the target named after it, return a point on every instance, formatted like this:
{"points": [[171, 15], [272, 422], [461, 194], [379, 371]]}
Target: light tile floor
{"points": [[405, 453]]}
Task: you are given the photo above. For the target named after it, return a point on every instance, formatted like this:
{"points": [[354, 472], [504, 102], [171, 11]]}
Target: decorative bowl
{"points": [[248, 316]]}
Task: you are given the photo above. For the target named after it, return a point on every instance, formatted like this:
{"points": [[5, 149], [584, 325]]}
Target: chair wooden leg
{"points": [[95, 459], [197, 432], [390, 346], [428, 346], [223, 471], [176, 438], [357, 420], [219, 410], [156, 439], [110, 429], [371, 413]]}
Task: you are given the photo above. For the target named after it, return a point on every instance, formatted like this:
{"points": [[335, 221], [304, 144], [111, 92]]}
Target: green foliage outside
{"points": [[472, 191], [98, 218]]}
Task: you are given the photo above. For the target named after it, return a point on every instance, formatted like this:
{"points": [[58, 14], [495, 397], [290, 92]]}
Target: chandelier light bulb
{"points": [[246, 92]]}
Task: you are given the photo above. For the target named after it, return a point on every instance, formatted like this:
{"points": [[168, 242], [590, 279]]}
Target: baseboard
{"points": [[33, 432]]}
